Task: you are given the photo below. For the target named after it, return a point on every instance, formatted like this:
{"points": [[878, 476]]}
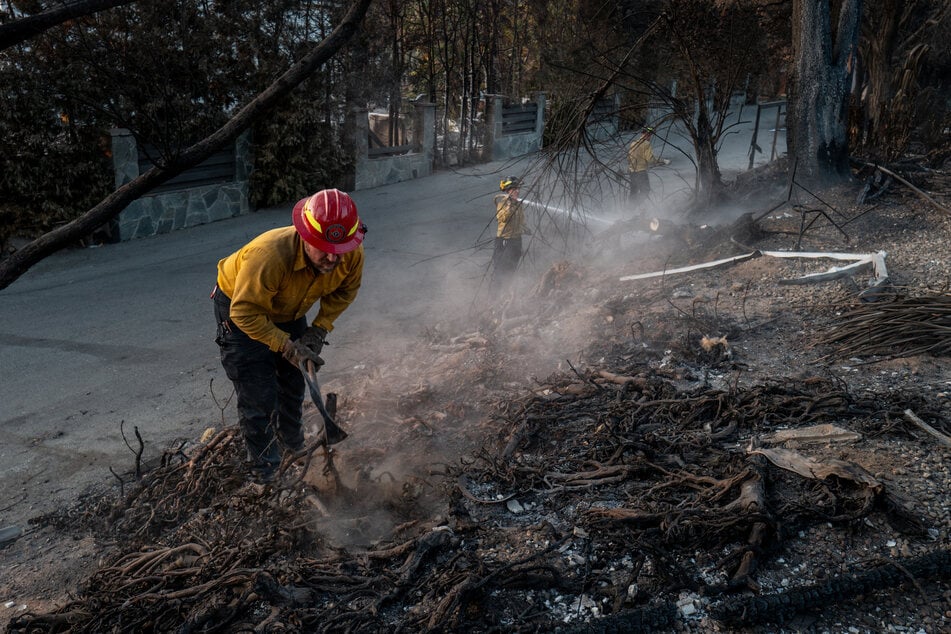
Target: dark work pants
{"points": [[505, 258], [270, 390], [640, 186]]}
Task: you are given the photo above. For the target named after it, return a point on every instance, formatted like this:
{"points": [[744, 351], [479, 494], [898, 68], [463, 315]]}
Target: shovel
{"points": [[332, 431]]}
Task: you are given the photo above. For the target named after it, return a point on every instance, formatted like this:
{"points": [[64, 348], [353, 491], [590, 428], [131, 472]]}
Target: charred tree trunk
{"points": [[897, 39], [468, 45], [820, 88], [447, 51], [879, 46], [396, 70], [705, 132], [492, 55], [710, 184]]}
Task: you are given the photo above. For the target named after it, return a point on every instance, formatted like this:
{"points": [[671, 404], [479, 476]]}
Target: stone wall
{"points": [[170, 210]]}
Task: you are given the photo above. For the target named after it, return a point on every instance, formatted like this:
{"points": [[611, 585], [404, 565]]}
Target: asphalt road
{"points": [[102, 341], [120, 337]]}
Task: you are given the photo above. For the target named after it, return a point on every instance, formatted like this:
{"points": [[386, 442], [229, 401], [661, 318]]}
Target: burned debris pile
{"points": [[609, 500], [902, 326]]}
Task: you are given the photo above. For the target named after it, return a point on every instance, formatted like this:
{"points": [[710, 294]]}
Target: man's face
{"points": [[323, 262]]}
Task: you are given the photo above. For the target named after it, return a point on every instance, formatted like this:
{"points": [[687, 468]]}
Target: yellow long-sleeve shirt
{"points": [[640, 155], [510, 214], [270, 280]]}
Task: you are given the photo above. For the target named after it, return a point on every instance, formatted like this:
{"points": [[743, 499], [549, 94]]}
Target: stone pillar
{"points": [[616, 115], [424, 132], [540, 118], [361, 144], [125, 163], [243, 156], [125, 156], [243, 166], [493, 126]]}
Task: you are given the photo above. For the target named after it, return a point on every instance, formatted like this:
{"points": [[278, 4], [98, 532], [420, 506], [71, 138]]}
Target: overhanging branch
{"points": [[13, 33], [19, 262]]}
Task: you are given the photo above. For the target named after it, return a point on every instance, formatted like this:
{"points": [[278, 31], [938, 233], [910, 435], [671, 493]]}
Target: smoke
{"points": [[430, 351]]}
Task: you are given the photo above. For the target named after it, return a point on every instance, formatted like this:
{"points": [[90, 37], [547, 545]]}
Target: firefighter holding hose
{"points": [[640, 158], [510, 216]]}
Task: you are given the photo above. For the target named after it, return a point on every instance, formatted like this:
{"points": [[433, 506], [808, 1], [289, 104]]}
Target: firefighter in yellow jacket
{"points": [[640, 158], [263, 293], [510, 216]]}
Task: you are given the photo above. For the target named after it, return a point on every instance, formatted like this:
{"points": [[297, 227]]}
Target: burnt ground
{"points": [[592, 455]]}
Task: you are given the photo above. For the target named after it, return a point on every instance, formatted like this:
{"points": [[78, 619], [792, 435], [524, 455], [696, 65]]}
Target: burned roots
{"points": [[607, 496]]}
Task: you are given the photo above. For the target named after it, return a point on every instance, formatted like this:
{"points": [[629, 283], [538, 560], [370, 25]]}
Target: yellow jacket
{"points": [[510, 214], [270, 280], [640, 155]]}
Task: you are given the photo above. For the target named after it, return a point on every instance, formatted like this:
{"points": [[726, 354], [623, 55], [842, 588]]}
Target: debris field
{"points": [[709, 452]]}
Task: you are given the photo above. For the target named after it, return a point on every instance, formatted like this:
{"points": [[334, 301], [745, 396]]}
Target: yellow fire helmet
{"points": [[510, 182]]}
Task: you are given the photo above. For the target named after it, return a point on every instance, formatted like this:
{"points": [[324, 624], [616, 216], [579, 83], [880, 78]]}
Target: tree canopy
{"points": [[175, 160]]}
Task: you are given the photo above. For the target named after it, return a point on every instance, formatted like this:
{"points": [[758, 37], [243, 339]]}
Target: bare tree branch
{"points": [[19, 262], [13, 33]]}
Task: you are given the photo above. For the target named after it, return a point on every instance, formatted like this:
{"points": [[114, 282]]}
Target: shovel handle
{"points": [[333, 432]]}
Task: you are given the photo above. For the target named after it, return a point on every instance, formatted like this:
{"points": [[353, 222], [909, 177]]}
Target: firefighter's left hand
{"points": [[314, 338]]}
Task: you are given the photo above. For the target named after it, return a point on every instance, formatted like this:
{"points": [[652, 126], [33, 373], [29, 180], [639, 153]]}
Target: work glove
{"points": [[314, 338], [297, 353]]}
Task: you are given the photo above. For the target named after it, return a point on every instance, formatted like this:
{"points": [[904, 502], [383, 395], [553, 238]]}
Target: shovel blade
{"points": [[334, 434]]}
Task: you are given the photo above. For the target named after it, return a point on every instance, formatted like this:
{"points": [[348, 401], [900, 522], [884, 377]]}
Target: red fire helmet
{"points": [[328, 220]]}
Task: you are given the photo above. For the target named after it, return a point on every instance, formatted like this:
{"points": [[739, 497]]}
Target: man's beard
{"points": [[325, 267]]}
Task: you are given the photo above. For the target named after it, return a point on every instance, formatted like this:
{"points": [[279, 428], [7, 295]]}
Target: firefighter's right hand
{"points": [[297, 353]]}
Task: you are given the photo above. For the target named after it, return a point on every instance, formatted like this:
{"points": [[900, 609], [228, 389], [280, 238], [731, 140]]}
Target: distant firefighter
{"points": [[510, 215], [640, 158]]}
